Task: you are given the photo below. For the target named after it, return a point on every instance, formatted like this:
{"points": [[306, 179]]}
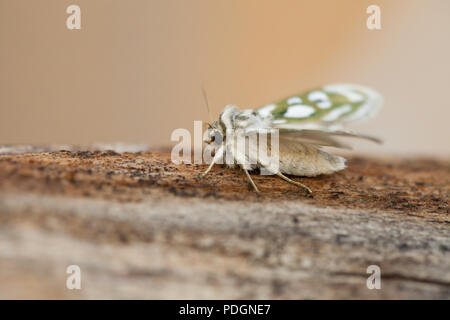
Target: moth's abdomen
{"points": [[306, 160]]}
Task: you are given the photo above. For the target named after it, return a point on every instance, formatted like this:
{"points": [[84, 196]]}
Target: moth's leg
{"points": [[282, 176], [251, 180], [215, 159], [241, 160], [207, 170]]}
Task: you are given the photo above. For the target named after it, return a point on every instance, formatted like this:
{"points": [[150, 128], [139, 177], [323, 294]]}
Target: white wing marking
{"points": [[337, 113], [299, 111], [266, 111], [367, 110], [347, 90], [320, 98], [294, 100]]}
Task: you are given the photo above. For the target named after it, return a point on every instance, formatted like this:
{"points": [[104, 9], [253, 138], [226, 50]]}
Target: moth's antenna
{"points": [[207, 104]]}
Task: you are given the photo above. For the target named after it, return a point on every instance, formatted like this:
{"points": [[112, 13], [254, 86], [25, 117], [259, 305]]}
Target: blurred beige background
{"points": [[134, 72]]}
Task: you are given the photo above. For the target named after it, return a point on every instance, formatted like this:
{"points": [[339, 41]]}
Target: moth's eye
{"points": [[217, 138]]}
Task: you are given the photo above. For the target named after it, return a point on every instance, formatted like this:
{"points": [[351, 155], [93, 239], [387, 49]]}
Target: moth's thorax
{"points": [[234, 119]]}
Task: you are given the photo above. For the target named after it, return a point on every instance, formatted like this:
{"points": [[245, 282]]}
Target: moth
{"points": [[304, 123]]}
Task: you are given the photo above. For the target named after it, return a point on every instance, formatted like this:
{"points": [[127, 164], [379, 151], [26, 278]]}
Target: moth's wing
{"points": [[313, 137], [320, 137], [331, 106]]}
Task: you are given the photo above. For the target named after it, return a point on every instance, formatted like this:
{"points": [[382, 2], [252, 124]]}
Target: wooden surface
{"points": [[141, 227]]}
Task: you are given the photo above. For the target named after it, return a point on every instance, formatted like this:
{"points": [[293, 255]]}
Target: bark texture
{"points": [[139, 226]]}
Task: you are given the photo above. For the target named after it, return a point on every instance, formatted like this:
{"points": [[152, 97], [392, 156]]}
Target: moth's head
{"points": [[214, 134]]}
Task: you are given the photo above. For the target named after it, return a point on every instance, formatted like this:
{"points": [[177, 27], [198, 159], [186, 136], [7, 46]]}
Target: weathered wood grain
{"points": [[142, 227]]}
